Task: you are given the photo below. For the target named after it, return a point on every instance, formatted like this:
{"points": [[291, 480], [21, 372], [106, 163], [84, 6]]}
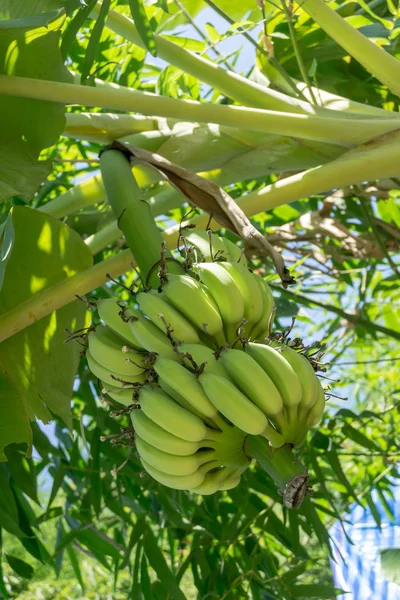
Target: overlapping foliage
{"points": [[62, 514]]}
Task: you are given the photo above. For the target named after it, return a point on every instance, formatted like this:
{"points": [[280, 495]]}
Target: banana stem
{"points": [[288, 472], [133, 214], [333, 128]]}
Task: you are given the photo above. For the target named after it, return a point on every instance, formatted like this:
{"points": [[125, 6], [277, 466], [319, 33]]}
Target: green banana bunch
{"points": [[171, 358]]}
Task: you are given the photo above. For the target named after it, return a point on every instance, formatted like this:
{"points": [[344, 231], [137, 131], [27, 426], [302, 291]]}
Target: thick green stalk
{"points": [[62, 293], [346, 132], [373, 161], [288, 472], [229, 83], [83, 194], [103, 238], [375, 59], [133, 214]]}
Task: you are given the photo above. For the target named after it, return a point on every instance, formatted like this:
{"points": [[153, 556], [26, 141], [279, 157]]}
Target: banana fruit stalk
{"points": [[194, 365]]}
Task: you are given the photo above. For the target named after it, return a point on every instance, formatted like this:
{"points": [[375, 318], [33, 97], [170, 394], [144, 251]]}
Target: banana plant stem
{"points": [[133, 214], [376, 60], [346, 132], [283, 466]]}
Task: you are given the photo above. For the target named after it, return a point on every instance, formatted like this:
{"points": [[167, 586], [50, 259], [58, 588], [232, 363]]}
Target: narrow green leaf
{"points": [[75, 565], [93, 45], [22, 471], [385, 503], [95, 464], [334, 461], [358, 437], [158, 562], [70, 33], [6, 246], [22, 568], [145, 579], [308, 509], [58, 479], [373, 509], [136, 589], [143, 25], [137, 532], [8, 523]]}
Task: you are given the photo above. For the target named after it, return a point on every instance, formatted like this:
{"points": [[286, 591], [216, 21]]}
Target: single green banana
{"points": [[178, 397], [308, 380], [235, 254], [159, 438], [171, 464], [253, 381], [114, 316], [152, 339], [106, 375], [226, 294], [201, 354], [211, 482], [280, 371], [275, 438], [164, 315], [187, 296], [262, 329], [201, 240], [186, 384], [233, 404], [250, 291], [231, 481], [316, 412], [106, 348], [169, 415], [125, 396], [175, 482]]}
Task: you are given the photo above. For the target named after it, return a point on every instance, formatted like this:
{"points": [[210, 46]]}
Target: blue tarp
{"points": [[357, 569]]}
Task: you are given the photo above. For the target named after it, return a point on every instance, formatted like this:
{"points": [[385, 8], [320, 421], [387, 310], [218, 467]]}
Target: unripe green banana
{"points": [[250, 291], [262, 329], [106, 348], [171, 464], [211, 482], [235, 254], [308, 380], [167, 413], [231, 480], [152, 339], [280, 370], [253, 381], [175, 482], [105, 374], [275, 438], [186, 384], [124, 396], [201, 240], [178, 397], [111, 312], [233, 404], [316, 412], [187, 296], [164, 315], [159, 438], [225, 292], [202, 354]]}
